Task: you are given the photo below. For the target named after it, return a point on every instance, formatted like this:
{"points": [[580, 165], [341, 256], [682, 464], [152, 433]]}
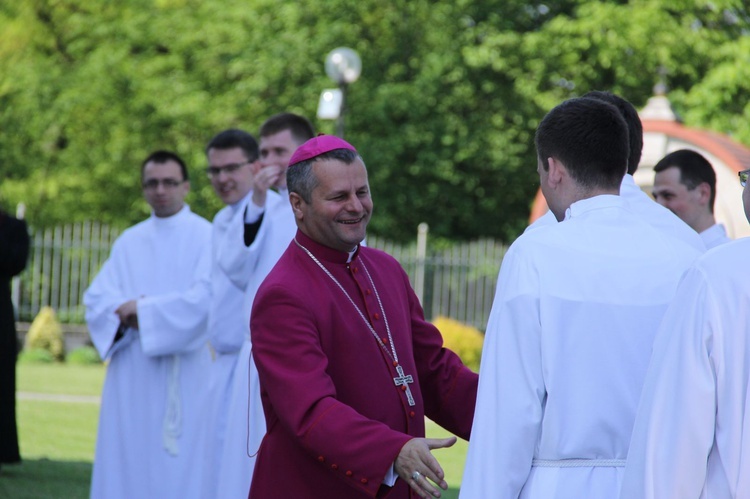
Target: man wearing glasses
{"points": [[232, 156], [692, 433], [147, 313], [246, 253]]}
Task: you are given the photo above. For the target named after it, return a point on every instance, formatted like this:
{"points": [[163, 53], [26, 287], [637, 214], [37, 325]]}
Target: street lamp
{"points": [[343, 66]]}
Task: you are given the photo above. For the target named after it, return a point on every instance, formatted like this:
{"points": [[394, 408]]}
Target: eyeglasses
{"points": [[743, 177], [215, 171], [168, 183]]}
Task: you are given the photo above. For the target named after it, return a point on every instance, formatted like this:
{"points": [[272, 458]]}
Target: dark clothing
{"points": [[14, 250]]}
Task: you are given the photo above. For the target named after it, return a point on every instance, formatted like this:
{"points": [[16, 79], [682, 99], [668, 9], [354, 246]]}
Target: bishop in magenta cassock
{"points": [[348, 365]]}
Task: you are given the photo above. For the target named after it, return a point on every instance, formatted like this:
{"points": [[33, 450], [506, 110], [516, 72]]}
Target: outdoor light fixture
{"points": [[343, 66]]}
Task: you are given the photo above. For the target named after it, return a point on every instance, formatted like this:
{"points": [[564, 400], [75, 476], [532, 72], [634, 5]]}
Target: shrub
{"points": [[465, 340], [45, 333], [35, 356], [84, 356]]}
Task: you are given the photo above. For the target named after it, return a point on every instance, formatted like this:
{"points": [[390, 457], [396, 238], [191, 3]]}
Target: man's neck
{"points": [[704, 223]]}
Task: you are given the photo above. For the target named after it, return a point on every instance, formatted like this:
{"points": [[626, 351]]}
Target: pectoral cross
{"points": [[403, 380]]}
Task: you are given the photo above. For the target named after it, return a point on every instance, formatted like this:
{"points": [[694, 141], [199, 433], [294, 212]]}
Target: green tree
{"points": [[444, 112]]}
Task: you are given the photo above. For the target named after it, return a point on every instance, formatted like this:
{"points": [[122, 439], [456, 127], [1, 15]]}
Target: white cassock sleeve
{"points": [[101, 299], [511, 391], [674, 426], [236, 260], [177, 322]]}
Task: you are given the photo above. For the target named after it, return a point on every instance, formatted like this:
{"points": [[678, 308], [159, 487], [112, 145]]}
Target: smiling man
{"points": [[245, 253], [348, 365], [231, 155]]}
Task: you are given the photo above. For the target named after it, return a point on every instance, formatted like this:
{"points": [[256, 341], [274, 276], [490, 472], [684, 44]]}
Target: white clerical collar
{"points": [[241, 203], [170, 220], [351, 254], [593, 203], [627, 180]]}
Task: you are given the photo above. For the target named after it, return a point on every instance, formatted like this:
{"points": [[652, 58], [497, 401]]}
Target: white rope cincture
{"points": [[172, 427], [578, 463]]}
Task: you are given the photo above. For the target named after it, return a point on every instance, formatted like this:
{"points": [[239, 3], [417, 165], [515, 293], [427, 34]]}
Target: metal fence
{"points": [[456, 282]]}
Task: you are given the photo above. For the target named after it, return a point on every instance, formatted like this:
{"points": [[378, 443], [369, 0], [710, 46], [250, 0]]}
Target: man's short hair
{"points": [[229, 139], [694, 170], [635, 127], [300, 178], [299, 126], [162, 157], [589, 137]]}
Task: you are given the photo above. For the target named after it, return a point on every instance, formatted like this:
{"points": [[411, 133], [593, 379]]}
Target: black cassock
{"points": [[14, 250]]}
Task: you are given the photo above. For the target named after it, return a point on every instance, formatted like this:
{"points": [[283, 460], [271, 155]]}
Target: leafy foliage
{"points": [[45, 333], [464, 340], [444, 112]]}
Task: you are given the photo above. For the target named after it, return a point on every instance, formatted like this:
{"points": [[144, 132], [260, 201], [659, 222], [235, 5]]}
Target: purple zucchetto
{"points": [[317, 146]]}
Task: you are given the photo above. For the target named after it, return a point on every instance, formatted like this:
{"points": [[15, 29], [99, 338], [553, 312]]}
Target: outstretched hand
{"points": [[418, 467]]}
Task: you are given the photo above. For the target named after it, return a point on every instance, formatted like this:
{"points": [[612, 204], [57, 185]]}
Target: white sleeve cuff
{"points": [[253, 212], [390, 477]]}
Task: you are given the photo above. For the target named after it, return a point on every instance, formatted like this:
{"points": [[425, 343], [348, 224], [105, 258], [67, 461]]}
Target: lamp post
{"points": [[343, 66]]}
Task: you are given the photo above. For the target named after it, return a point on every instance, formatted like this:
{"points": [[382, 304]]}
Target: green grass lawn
{"points": [[57, 438]]}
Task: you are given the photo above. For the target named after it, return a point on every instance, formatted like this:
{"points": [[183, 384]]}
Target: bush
{"points": [[35, 356], [45, 333], [83, 356], [465, 340]]}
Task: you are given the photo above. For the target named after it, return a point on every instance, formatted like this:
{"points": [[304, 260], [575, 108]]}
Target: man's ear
{"points": [[557, 171], [255, 166], [297, 202], [704, 193]]}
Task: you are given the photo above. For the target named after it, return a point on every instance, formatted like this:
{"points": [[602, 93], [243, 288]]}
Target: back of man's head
{"points": [[635, 127], [694, 170], [229, 139], [590, 138], [299, 126]]}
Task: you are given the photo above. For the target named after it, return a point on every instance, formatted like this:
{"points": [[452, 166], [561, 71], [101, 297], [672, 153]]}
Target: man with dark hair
{"points": [[571, 327], [245, 253], [685, 182], [638, 201], [147, 312], [232, 157], [691, 436], [348, 365]]}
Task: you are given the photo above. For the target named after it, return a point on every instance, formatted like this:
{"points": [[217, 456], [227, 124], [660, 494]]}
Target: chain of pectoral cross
{"points": [[402, 379]]}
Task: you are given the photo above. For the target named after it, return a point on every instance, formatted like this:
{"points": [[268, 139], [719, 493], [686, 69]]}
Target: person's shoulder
{"points": [[279, 205], [287, 276], [136, 230], [378, 256], [198, 220], [221, 214], [727, 257], [541, 235], [545, 220], [11, 222]]}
